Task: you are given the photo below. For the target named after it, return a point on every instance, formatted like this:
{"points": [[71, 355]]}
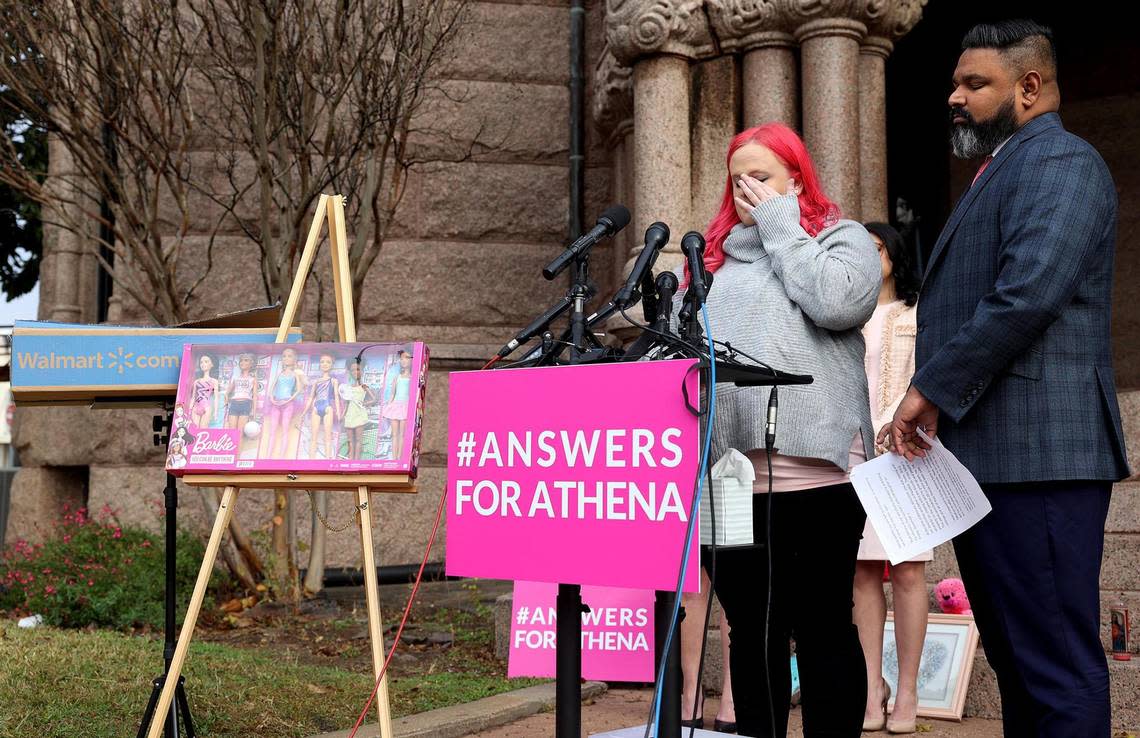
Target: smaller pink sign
{"points": [[617, 632]]}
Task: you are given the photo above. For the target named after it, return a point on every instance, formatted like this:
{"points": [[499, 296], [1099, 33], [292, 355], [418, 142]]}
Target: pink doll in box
{"points": [[241, 394], [323, 407], [203, 391], [288, 383], [397, 391]]}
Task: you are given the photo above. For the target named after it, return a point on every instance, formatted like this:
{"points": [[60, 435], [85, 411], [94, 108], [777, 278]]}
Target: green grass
{"points": [[96, 684]]}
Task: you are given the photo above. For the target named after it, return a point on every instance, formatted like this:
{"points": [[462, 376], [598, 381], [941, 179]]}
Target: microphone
{"points": [[666, 287], [693, 247], [689, 325], [656, 236], [770, 426], [609, 222]]}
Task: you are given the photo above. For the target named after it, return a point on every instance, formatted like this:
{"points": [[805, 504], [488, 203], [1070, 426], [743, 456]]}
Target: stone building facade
{"points": [[672, 81], [460, 270]]}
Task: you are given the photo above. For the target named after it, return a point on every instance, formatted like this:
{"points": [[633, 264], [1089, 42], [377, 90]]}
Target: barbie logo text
{"points": [[204, 444]]}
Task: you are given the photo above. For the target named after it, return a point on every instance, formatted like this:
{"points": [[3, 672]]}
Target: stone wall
{"points": [[461, 271]]}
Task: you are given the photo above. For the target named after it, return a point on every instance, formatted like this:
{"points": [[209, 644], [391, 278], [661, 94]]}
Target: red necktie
{"points": [[982, 168]]}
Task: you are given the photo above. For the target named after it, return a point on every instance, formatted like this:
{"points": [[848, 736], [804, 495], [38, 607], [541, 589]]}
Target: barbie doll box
{"points": [[309, 407]]}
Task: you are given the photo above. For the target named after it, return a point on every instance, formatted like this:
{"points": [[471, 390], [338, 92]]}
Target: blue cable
{"points": [[689, 531]]}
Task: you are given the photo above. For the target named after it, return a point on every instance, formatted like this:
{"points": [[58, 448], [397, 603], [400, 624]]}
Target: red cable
{"points": [[403, 620], [411, 600]]}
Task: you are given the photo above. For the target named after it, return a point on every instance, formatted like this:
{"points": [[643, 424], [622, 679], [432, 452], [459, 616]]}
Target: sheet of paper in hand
{"points": [[916, 505]]}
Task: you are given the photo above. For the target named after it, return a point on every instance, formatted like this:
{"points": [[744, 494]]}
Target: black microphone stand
{"points": [[579, 293], [584, 346], [568, 605]]}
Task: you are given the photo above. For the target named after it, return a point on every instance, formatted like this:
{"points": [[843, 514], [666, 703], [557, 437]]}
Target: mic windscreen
{"points": [[693, 240], [615, 217], [693, 247], [667, 281], [656, 236]]}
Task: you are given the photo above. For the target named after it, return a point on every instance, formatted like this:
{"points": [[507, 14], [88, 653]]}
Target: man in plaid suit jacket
{"points": [[1014, 374]]}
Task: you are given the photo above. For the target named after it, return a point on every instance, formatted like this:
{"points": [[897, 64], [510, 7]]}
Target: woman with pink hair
{"points": [[794, 282]]}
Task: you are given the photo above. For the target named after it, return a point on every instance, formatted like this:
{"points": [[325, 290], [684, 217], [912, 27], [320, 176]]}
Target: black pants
{"points": [[1032, 573], [815, 539]]}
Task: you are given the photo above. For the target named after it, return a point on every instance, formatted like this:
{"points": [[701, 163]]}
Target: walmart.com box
{"points": [[60, 363]]}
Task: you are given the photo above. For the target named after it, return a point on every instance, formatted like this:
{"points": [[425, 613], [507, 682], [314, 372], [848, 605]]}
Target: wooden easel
{"points": [[331, 206]]}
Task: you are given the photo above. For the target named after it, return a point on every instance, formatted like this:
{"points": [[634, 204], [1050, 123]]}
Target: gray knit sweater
{"points": [[796, 303]]}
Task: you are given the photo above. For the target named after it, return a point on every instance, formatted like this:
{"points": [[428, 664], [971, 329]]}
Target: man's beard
{"points": [[973, 140]]}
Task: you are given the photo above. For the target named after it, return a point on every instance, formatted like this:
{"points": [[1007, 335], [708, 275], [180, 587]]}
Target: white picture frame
{"points": [[946, 666]]}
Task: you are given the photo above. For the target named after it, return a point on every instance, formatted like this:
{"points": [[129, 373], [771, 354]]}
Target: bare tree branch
{"points": [[294, 98]]}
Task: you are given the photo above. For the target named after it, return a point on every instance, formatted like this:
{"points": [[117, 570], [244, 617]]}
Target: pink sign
{"points": [[328, 407], [617, 633], [577, 475]]}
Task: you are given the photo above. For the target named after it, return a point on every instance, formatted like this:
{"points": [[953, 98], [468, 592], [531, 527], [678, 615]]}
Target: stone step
{"points": [[1124, 510], [1123, 521], [1125, 676], [983, 700]]}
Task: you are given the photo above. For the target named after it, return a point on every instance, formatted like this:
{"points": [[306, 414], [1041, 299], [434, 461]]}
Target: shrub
{"points": [[96, 572]]}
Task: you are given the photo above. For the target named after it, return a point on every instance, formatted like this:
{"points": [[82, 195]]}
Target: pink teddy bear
{"points": [[951, 596]]}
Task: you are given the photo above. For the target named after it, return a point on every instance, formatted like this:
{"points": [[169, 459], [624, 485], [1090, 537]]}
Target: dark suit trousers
{"points": [[1032, 573], [815, 539]]}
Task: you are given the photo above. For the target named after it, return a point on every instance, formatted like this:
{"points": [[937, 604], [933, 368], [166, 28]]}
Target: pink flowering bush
{"points": [[95, 571]]}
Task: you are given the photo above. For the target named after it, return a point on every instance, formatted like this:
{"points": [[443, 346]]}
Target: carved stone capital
{"points": [[613, 94], [806, 11], [743, 25], [891, 19], [740, 25], [639, 28]]}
